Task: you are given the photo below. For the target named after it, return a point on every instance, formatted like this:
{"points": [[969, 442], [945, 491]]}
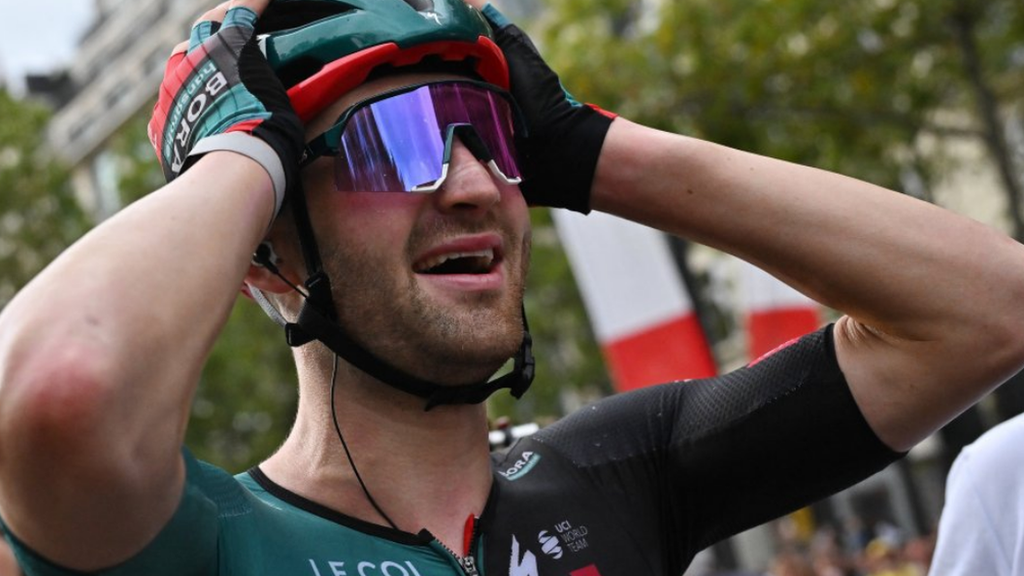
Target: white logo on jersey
{"points": [[549, 544], [522, 466], [525, 566], [573, 537], [337, 568]]}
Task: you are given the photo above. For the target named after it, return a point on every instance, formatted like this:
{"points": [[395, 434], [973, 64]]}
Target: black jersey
{"points": [[641, 482]]}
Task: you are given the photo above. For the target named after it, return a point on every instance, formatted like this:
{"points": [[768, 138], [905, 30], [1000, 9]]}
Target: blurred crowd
{"points": [[882, 556]]}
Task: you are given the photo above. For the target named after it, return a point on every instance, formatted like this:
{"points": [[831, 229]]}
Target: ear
{"points": [[262, 279], [265, 273]]}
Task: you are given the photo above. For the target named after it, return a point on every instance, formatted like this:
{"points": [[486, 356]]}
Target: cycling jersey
{"points": [[635, 484]]}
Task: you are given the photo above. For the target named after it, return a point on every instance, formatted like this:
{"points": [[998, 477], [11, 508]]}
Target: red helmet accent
{"points": [[316, 93]]}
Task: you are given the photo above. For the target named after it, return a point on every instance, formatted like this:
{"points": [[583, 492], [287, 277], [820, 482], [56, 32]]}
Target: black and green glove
{"points": [[221, 94]]}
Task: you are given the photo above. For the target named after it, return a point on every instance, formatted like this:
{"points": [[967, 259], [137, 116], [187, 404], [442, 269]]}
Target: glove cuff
{"points": [[494, 17], [252, 147], [568, 185]]}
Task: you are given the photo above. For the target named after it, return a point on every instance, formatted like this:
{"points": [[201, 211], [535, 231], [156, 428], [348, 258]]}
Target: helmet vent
{"points": [[430, 63], [285, 15], [298, 70]]}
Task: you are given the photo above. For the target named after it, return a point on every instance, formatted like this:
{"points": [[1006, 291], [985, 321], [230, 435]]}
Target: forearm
{"points": [[100, 354], [932, 298], [883, 257]]}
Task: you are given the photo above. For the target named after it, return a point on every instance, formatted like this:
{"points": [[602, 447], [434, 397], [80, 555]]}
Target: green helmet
{"points": [[321, 49]]}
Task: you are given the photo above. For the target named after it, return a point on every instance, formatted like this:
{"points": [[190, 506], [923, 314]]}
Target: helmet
{"points": [[321, 49]]}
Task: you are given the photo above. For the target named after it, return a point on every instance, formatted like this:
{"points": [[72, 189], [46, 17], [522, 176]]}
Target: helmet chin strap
{"points": [[318, 321]]}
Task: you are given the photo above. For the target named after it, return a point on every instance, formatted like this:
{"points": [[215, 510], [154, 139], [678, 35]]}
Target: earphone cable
{"points": [[348, 454]]}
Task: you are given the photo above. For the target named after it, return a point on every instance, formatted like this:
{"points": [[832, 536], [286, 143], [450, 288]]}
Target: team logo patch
{"points": [[524, 563], [572, 536], [526, 462], [549, 544], [205, 85]]}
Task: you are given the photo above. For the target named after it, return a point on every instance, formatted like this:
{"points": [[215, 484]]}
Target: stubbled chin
{"points": [[477, 341]]}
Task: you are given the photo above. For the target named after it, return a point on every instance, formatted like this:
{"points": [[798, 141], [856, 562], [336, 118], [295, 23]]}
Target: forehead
{"points": [[329, 116]]}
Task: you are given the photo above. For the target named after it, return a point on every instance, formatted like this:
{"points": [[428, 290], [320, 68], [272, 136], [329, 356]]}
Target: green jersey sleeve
{"points": [[186, 545]]}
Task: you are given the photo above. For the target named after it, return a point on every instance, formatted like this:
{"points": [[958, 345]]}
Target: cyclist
{"points": [[376, 138]]}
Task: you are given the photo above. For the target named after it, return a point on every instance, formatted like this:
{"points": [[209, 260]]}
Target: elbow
{"points": [[983, 323], [1000, 338], [53, 405], [1006, 345]]}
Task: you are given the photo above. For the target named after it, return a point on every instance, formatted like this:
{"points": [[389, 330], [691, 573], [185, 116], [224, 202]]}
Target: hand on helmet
{"points": [[559, 154], [219, 93]]}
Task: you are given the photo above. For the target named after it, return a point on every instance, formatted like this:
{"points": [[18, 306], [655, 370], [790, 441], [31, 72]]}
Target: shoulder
{"points": [[225, 492], [801, 373], [793, 397]]}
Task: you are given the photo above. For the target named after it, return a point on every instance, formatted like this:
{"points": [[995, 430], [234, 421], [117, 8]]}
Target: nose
{"points": [[469, 186]]}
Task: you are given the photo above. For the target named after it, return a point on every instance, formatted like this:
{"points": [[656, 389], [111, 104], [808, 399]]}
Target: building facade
{"points": [[116, 72]]}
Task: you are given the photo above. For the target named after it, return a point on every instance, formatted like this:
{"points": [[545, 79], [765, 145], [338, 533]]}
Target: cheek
{"points": [[319, 176], [516, 206], [363, 218]]}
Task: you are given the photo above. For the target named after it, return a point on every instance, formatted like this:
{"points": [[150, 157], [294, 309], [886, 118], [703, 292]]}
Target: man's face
{"points": [[432, 283]]}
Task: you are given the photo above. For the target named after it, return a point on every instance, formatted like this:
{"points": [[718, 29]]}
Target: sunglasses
{"points": [[401, 141]]}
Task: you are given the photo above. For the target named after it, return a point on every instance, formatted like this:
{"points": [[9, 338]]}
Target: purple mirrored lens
{"points": [[397, 143]]}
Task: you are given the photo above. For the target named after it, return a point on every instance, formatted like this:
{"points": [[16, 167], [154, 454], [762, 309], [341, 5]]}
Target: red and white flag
{"points": [[775, 313], [638, 305]]}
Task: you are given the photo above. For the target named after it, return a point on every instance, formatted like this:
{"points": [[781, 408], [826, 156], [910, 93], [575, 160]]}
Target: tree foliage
{"points": [[887, 91], [848, 86], [39, 215]]}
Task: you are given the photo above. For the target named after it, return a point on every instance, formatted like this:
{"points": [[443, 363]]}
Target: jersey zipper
{"points": [[466, 562]]}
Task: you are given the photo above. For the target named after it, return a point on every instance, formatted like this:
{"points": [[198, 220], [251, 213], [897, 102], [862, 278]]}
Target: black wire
{"points": [[294, 287], [264, 259], [334, 417], [266, 263]]}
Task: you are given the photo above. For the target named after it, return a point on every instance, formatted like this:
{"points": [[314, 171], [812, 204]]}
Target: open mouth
{"points": [[475, 262]]}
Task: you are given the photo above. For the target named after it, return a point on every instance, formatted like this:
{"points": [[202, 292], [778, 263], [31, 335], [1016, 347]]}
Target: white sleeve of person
{"points": [[252, 147], [981, 531]]}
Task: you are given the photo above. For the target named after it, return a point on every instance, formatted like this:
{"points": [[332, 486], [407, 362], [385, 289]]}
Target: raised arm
{"points": [[932, 298], [100, 354]]}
